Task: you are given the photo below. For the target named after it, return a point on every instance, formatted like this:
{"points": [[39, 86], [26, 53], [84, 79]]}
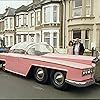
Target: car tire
{"points": [[41, 75], [58, 80]]}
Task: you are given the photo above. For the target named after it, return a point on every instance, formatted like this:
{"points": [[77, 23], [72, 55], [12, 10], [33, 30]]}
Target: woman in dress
{"points": [[70, 48]]}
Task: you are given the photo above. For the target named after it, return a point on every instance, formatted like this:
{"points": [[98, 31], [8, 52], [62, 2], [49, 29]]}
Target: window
{"points": [[54, 13], [24, 37], [38, 18], [47, 37], [77, 8], [47, 14], [0, 26], [19, 21], [78, 3], [6, 38], [87, 34], [24, 19], [19, 51], [87, 39], [19, 38], [88, 7], [55, 39], [32, 19], [6, 23], [11, 22], [11, 40], [77, 34]]}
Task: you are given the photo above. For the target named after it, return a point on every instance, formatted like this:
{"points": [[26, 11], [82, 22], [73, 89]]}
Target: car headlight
{"points": [[87, 71]]}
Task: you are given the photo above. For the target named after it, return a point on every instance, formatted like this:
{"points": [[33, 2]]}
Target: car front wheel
{"points": [[41, 75], [58, 80]]}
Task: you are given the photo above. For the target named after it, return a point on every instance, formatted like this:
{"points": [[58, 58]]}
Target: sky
{"points": [[12, 3]]}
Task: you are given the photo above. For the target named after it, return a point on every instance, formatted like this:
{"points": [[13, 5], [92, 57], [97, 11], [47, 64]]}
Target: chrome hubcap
{"points": [[40, 73], [59, 78]]}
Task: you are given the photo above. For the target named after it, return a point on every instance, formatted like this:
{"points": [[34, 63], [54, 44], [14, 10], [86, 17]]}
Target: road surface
{"points": [[16, 87]]}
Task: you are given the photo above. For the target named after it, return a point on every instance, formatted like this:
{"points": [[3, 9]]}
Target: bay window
{"points": [[54, 13], [6, 38], [24, 19], [47, 37], [32, 19], [11, 22], [19, 38], [6, 21], [24, 37], [77, 11], [47, 14], [88, 7], [55, 39], [11, 40], [17, 20], [38, 18], [87, 39], [77, 34], [51, 13]]}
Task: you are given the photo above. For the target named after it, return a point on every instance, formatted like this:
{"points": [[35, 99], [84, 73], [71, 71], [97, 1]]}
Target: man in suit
{"points": [[78, 48]]}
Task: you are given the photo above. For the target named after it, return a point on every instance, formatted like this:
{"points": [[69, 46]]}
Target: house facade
{"points": [[7, 27], [83, 22], [1, 29], [53, 21], [43, 22]]}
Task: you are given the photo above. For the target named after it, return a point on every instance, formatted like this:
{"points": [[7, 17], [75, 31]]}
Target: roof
{"points": [[34, 5], [1, 15], [9, 12], [47, 1], [23, 8]]}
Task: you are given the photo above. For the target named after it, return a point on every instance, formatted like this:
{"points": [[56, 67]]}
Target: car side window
{"points": [[20, 51], [31, 51]]}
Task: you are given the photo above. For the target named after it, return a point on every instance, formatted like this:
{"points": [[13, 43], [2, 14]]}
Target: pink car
{"points": [[45, 64]]}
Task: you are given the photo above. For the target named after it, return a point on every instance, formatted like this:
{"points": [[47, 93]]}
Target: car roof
{"points": [[25, 45]]}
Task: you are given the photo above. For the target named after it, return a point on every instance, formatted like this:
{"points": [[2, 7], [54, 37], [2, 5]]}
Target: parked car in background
{"points": [[3, 48], [45, 64]]}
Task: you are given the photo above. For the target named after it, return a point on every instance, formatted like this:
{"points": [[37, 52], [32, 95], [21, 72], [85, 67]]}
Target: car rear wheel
{"points": [[58, 80], [41, 75]]}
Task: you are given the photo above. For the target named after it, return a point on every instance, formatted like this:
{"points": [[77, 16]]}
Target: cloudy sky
{"points": [[12, 3]]}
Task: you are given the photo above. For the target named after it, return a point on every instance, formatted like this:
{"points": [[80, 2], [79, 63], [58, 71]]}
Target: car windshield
{"points": [[32, 48], [39, 49]]}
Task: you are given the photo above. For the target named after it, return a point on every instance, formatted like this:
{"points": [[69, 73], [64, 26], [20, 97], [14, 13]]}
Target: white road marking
{"points": [[37, 87]]}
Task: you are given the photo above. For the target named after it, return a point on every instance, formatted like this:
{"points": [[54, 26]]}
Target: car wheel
{"points": [[2, 66], [58, 80], [41, 75]]}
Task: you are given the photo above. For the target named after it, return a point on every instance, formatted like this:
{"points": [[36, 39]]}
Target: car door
{"points": [[12, 62]]}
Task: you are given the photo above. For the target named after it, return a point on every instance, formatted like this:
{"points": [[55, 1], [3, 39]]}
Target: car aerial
{"points": [[46, 65]]}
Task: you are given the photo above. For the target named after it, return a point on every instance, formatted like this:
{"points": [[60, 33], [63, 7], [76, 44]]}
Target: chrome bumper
{"points": [[80, 84]]}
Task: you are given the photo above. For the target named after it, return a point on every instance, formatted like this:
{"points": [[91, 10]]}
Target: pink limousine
{"points": [[44, 63]]}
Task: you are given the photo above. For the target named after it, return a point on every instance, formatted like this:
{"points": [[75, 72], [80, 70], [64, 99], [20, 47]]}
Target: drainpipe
{"points": [[64, 21], [14, 29]]}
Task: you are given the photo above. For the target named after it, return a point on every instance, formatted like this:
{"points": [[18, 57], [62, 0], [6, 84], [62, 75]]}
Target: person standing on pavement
{"points": [[78, 48], [70, 48]]}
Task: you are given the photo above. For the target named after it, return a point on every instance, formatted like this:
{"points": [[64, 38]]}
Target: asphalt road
{"points": [[16, 87]]}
